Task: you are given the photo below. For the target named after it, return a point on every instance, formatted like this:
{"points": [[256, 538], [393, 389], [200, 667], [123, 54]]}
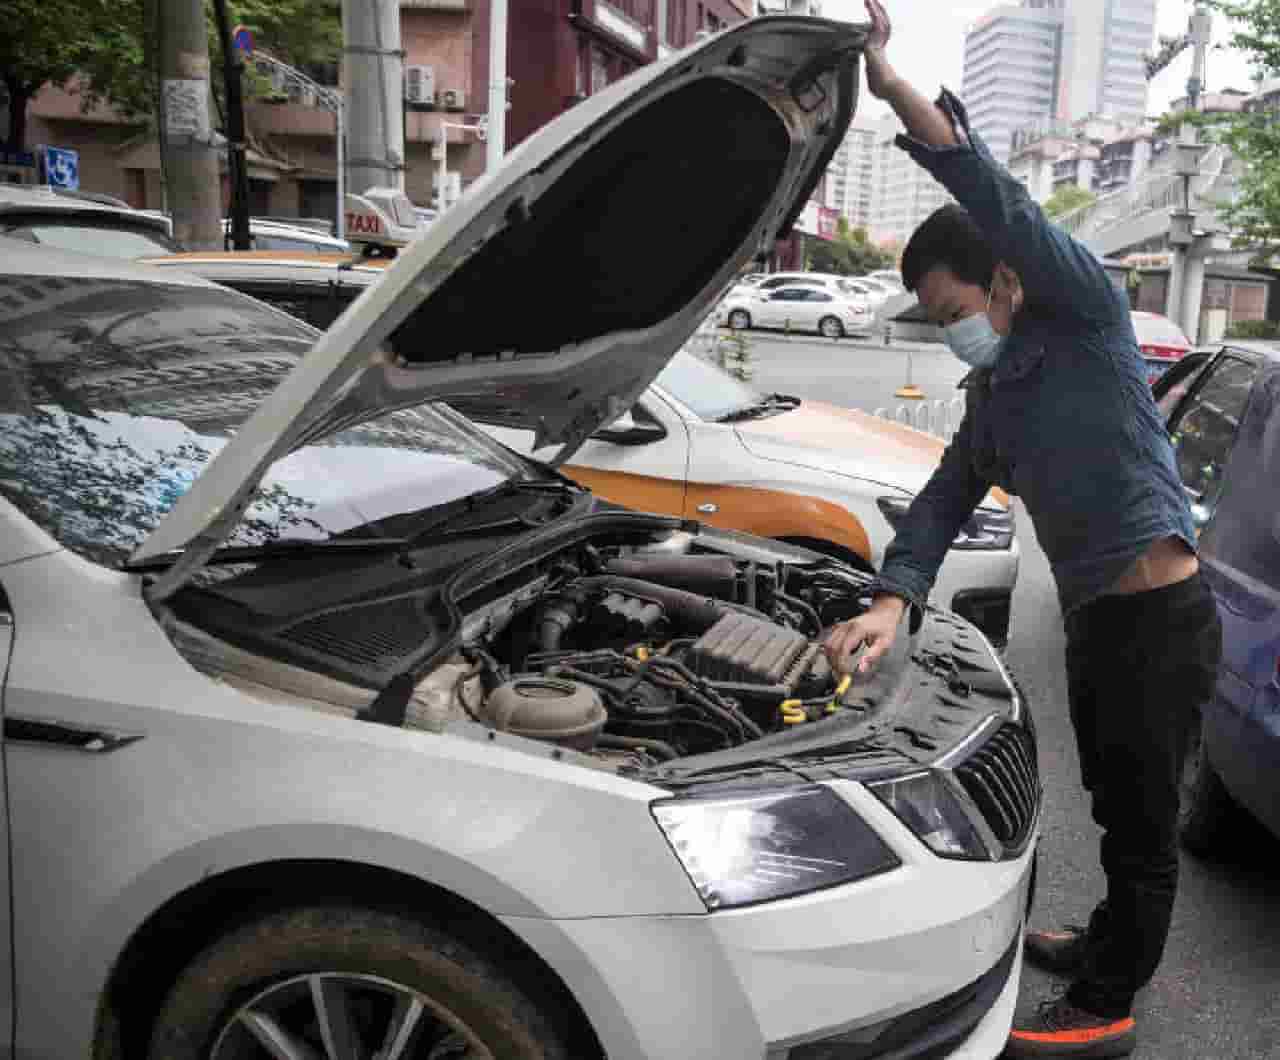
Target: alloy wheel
{"points": [[343, 1016]]}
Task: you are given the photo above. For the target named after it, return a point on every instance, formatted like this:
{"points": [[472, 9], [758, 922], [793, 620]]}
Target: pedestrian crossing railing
{"points": [[939, 418]]}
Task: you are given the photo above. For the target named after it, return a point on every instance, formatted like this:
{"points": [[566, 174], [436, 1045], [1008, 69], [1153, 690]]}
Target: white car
{"points": [[90, 225], [333, 728], [828, 312]]}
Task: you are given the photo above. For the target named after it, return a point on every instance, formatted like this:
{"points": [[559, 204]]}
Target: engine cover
{"points": [[740, 649]]}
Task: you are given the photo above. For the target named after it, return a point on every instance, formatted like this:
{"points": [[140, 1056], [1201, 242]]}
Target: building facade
{"points": [[559, 52], [902, 193], [851, 175], [1103, 68], [1011, 70]]}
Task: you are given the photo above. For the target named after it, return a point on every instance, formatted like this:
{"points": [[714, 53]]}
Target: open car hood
{"points": [[556, 290]]}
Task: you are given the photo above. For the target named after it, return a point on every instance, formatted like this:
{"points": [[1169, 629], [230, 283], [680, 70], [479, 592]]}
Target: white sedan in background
{"points": [[830, 313]]}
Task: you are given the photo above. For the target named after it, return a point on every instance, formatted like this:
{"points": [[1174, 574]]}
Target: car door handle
{"points": [[708, 508], [51, 733]]}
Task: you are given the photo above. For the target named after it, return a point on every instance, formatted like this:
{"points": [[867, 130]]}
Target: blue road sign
{"points": [[62, 168], [242, 39]]}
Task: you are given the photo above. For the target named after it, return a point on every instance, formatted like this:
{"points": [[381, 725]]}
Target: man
{"points": [[1058, 411]]}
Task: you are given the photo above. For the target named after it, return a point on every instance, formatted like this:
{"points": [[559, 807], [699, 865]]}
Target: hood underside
{"points": [[561, 284]]}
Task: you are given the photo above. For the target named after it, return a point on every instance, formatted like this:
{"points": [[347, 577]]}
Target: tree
{"points": [[1254, 136], [851, 253], [1067, 198], [113, 47]]}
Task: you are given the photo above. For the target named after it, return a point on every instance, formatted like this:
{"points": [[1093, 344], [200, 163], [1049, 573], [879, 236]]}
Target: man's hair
{"points": [[948, 237]]}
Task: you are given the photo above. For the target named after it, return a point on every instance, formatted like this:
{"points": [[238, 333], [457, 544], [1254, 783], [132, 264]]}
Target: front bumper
{"points": [[766, 981]]}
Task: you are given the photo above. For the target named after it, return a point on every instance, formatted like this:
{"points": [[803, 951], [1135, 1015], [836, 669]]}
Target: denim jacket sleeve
{"points": [[1056, 271], [936, 515]]}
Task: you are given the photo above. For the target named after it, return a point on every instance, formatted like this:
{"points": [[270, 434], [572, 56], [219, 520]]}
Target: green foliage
{"points": [[733, 354], [1253, 329], [114, 46], [1067, 198], [1254, 214], [851, 253]]}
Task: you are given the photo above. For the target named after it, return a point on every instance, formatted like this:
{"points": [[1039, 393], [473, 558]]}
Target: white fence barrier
{"points": [[939, 418]]}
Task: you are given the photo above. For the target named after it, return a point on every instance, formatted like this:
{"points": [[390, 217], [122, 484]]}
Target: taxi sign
{"points": [[370, 225]]}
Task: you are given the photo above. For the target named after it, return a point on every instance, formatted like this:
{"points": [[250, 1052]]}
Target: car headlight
{"points": [[936, 812], [986, 528], [739, 850]]}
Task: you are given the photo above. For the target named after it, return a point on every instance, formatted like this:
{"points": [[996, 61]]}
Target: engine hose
{"points": [[706, 575], [638, 743], [802, 606]]}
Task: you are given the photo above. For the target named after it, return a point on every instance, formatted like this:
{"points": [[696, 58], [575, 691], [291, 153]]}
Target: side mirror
{"points": [[627, 430]]}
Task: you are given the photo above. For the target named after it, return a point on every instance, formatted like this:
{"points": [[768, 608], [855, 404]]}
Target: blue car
{"points": [[1222, 408]]}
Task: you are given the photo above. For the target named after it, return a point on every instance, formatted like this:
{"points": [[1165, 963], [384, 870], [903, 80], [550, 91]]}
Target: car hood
{"points": [[555, 291], [848, 442]]}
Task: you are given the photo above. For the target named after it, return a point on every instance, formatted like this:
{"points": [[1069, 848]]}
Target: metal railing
{"points": [[939, 418]]}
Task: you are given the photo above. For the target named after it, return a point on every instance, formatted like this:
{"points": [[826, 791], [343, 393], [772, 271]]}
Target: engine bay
{"points": [[636, 648]]}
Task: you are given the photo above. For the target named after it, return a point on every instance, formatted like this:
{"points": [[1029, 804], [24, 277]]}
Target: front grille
{"points": [[1003, 779]]}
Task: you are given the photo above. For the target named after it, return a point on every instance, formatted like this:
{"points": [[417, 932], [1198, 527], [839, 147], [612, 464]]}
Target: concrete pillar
{"points": [[373, 78], [1193, 291]]}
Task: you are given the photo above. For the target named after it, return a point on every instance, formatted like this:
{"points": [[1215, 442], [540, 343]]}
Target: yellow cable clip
{"points": [[793, 712]]}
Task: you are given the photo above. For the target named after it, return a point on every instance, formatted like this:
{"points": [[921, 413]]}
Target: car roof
{"points": [[279, 265], [1269, 351], [15, 198], [21, 258]]}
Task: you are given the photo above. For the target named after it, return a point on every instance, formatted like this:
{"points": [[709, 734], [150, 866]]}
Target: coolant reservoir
{"points": [[546, 708]]}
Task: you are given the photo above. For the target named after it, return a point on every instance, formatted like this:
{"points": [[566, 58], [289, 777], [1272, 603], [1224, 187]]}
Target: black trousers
{"points": [[1138, 669]]}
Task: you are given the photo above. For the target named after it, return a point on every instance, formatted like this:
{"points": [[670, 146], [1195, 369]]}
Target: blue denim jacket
{"points": [[1064, 419]]}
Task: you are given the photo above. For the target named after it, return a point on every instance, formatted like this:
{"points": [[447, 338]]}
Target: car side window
{"points": [[1205, 430], [820, 296], [1174, 385]]}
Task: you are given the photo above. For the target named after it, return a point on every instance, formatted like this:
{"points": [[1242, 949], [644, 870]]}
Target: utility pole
{"points": [[374, 82], [237, 167], [191, 162], [496, 141]]}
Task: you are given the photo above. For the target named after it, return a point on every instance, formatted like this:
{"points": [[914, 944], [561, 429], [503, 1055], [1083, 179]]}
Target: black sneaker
{"points": [[1066, 952], [1061, 1029]]}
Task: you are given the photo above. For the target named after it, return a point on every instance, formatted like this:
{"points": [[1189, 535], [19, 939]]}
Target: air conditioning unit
{"points": [[453, 99], [420, 85]]}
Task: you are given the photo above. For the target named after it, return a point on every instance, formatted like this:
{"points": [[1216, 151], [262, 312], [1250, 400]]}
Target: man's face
{"points": [[946, 298]]}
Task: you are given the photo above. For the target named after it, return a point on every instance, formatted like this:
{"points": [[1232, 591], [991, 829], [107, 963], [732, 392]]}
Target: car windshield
{"points": [[705, 389], [103, 240], [115, 394]]}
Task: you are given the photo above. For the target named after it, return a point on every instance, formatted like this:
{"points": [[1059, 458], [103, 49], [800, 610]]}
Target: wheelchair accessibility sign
{"points": [[62, 168]]}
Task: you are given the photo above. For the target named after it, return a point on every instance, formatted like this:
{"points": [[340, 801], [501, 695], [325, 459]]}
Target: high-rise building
{"points": [[850, 175], [1011, 70], [902, 193], [1103, 70]]}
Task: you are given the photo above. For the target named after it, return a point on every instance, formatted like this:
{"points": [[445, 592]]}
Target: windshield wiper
{"points": [[284, 548], [466, 505], [767, 406]]}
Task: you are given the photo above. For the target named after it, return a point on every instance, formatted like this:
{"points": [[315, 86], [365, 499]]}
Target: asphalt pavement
{"points": [[1217, 993]]}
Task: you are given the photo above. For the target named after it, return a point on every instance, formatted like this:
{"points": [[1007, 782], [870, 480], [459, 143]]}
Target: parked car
{"points": [[827, 281], [1223, 411], [830, 313], [80, 223], [890, 276], [277, 235], [701, 444], [1161, 342], [335, 728]]}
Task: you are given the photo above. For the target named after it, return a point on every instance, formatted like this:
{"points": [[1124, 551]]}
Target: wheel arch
{"points": [[193, 919]]}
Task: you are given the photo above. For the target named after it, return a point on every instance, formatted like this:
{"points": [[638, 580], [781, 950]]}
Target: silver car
{"points": [[335, 729]]}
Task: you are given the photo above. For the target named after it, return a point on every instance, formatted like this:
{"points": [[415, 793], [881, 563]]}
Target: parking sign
{"points": [[62, 168]]}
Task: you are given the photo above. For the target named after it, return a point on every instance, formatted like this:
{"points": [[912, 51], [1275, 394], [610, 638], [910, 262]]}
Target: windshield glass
{"points": [[114, 395], [108, 242], [705, 389]]}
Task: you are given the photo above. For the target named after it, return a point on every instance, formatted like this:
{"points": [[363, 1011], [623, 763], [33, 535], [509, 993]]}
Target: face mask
{"points": [[974, 340]]}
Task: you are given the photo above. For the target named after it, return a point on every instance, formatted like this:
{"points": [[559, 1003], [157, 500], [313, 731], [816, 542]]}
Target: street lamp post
{"points": [[329, 99], [442, 168]]}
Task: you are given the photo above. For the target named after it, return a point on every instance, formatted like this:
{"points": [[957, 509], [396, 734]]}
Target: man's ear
{"points": [[1008, 285]]}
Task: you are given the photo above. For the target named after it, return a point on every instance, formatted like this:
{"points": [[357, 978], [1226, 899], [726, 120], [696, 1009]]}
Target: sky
{"points": [[928, 46]]}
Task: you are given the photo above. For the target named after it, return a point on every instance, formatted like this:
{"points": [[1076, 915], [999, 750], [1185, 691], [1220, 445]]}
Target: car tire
{"points": [[831, 328], [374, 974], [740, 320], [1205, 807]]}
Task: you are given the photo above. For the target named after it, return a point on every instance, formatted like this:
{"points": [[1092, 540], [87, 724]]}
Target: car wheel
{"points": [[740, 320], [831, 327], [343, 982], [1205, 807]]}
